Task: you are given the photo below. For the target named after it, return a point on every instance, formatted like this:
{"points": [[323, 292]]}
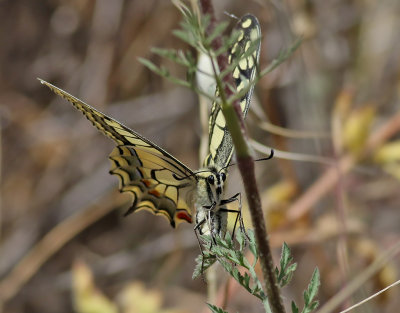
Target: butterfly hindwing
{"points": [[159, 182], [153, 183]]}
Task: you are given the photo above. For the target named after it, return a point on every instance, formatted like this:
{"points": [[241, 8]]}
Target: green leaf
{"points": [[231, 255], [252, 243], [165, 53], [286, 271], [306, 298], [185, 36], [292, 267], [236, 274], [314, 284], [218, 30], [228, 239], [314, 305], [240, 238], [283, 56], [295, 309], [285, 280], [150, 65], [178, 81], [285, 255], [311, 292], [289, 274], [178, 57], [246, 279], [215, 309], [202, 264]]}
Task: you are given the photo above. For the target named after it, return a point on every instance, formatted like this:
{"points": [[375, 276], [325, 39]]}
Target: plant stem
{"points": [[235, 123], [246, 167]]}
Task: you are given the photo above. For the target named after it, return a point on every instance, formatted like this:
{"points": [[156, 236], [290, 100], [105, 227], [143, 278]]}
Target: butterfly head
{"points": [[214, 181], [217, 181]]}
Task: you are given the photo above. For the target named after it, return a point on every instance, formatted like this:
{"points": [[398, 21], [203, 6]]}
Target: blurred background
{"points": [[331, 112]]}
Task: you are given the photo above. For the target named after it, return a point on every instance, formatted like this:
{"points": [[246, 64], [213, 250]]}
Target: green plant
{"points": [[231, 254]]}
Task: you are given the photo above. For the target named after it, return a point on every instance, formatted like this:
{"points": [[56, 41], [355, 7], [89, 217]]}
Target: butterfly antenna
{"points": [[231, 15], [225, 167], [271, 155]]}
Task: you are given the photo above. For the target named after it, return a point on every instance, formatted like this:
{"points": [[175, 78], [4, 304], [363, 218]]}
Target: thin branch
{"points": [[371, 297], [292, 133]]}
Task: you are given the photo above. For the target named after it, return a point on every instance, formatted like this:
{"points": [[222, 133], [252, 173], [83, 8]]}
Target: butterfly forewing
{"points": [[159, 182], [244, 70]]}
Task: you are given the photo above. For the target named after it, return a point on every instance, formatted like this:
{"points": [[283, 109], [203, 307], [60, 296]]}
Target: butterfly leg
{"points": [[240, 217], [231, 199], [236, 197], [197, 231]]}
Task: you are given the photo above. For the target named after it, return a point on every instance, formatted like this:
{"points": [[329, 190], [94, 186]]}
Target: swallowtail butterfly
{"points": [[157, 180]]}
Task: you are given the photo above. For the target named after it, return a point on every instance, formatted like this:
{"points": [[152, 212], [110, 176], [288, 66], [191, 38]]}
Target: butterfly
{"points": [[158, 181]]}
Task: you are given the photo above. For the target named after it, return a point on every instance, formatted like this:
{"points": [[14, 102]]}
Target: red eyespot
{"points": [[184, 216]]}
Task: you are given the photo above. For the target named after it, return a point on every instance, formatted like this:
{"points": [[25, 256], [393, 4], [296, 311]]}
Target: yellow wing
{"points": [[158, 182], [220, 140]]}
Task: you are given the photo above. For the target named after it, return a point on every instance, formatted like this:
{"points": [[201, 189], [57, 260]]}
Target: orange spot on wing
{"points": [[184, 216], [154, 193], [146, 182]]}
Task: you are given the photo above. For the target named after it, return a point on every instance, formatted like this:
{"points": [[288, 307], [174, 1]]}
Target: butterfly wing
{"points": [[220, 140], [158, 182]]}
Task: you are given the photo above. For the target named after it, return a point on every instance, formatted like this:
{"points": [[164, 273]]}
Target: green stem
{"points": [[267, 307]]}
